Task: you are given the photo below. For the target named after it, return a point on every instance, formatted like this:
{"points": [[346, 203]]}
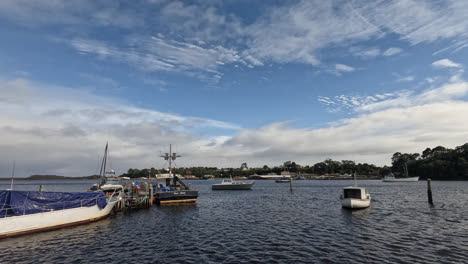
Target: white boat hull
{"points": [[410, 179], [24, 224], [354, 203], [243, 186]]}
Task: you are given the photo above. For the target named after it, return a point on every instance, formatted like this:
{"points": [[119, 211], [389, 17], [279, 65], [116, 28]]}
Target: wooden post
{"points": [[151, 194], [290, 184], [429, 191]]}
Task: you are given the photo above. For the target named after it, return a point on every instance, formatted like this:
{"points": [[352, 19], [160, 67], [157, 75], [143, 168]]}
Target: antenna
{"points": [[171, 157], [12, 175]]}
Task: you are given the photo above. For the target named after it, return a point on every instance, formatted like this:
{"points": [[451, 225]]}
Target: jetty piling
{"points": [[136, 197], [429, 191]]}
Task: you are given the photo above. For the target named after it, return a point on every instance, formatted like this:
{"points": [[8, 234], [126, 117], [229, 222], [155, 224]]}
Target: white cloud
{"points": [[288, 33], [70, 12], [343, 68], [157, 54], [299, 32], [392, 51], [406, 79], [401, 78], [401, 99], [371, 138], [365, 53], [405, 99], [73, 126], [446, 63]]}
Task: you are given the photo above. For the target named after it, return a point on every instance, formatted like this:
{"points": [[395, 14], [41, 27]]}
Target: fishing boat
{"points": [[354, 197], [229, 184], [170, 189], [24, 212]]}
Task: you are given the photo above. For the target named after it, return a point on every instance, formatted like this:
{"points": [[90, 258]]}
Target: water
{"points": [[268, 224]]}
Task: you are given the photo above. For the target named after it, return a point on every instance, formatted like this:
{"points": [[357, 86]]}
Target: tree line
{"points": [[328, 166], [439, 163]]}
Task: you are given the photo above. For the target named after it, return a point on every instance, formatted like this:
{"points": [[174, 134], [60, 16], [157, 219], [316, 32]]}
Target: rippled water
{"points": [[268, 224]]}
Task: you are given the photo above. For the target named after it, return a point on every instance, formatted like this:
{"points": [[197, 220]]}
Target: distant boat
{"points": [[229, 184], [354, 197], [283, 179], [391, 178], [170, 188], [24, 212]]}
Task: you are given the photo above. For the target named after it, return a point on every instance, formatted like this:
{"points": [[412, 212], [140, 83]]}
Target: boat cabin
{"points": [[355, 193], [165, 183]]}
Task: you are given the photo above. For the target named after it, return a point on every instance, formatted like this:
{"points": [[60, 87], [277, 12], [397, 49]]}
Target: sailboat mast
{"points": [[103, 163], [12, 175]]}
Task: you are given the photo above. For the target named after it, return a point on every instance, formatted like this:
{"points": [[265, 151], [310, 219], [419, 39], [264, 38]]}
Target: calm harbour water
{"points": [[268, 224]]}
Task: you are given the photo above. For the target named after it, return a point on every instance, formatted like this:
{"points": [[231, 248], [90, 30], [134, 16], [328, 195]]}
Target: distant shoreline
{"points": [[52, 177]]}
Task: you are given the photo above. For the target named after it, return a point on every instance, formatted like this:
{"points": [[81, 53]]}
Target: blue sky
{"points": [[228, 82]]}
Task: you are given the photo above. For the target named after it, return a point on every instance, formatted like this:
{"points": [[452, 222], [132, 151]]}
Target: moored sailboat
{"points": [[391, 178], [109, 182]]}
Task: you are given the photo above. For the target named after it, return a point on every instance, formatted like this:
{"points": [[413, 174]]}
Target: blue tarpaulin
{"points": [[31, 202]]}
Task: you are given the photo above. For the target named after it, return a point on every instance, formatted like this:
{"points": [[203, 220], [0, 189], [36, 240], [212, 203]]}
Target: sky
{"points": [[228, 82]]}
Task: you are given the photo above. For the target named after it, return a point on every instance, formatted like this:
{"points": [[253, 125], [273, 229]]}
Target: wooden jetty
{"points": [[136, 196]]}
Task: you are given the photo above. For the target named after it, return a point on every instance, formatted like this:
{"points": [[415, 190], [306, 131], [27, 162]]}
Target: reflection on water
{"points": [[268, 224], [359, 214]]}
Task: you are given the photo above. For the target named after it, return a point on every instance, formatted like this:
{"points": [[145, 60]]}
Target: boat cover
{"points": [[31, 202]]}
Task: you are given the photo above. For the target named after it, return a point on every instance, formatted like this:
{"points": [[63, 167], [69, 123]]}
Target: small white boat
{"points": [[111, 183], [355, 198], [283, 179], [229, 184], [24, 212], [391, 178]]}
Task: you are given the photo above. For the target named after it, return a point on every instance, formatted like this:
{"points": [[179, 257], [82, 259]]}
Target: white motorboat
{"points": [[391, 178], [229, 184], [284, 179], [24, 212], [111, 183], [355, 198]]}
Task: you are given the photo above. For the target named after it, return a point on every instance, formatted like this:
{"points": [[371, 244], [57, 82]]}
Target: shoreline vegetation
{"points": [[439, 163]]}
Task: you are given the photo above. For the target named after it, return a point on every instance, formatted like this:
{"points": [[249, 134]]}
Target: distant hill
{"points": [[56, 177]]}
